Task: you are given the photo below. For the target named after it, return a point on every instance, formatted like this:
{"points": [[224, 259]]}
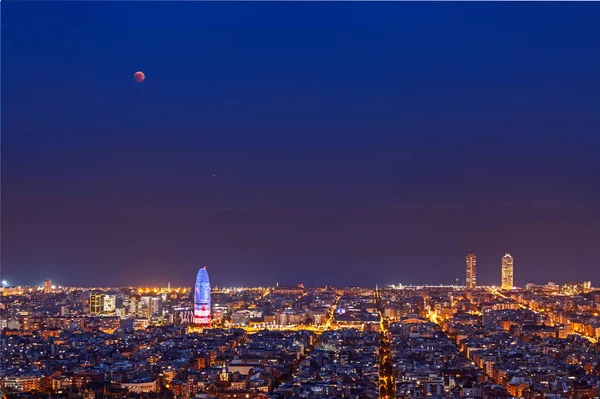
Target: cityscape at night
{"points": [[540, 340], [300, 200]]}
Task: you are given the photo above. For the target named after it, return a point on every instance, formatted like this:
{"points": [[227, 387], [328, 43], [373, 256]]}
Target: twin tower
{"points": [[202, 309], [507, 272]]}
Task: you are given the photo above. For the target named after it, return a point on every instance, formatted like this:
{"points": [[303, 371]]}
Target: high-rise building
{"points": [[156, 306], [202, 298], [507, 272], [133, 306], [47, 286], [471, 277], [110, 304], [145, 307], [96, 304]]}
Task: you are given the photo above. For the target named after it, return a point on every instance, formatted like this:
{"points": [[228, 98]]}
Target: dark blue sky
{"points": [[350, 143]]}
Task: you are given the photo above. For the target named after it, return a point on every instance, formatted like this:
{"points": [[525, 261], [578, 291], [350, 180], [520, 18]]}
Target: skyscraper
{"points": [[507, 272], [202, 298], [471, 279], [110, 304], [47, 286], [145, 307], [96, 304], [156, 306]]}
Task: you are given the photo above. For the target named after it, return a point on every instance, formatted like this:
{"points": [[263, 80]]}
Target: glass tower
{"points": [[202, 298]]}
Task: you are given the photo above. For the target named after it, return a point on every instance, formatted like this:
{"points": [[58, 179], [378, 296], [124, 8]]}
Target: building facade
{"points": [[507, 272], [471, 276], [141, 386], [96, 304], [202, 305], [23, 383], [110, 304]]}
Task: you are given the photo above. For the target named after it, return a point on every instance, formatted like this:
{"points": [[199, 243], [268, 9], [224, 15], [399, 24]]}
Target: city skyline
{"points": [[469, 280], [300, 200]]}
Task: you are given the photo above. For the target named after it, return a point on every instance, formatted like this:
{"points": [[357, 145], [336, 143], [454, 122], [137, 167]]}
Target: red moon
{"points": [[139, 76]]}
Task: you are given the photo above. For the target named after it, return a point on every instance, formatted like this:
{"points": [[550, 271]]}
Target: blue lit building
{"points": [[202, 298]]}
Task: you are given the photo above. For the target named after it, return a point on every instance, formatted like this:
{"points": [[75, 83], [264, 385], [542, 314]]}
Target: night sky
{"points": [[322, 143]]}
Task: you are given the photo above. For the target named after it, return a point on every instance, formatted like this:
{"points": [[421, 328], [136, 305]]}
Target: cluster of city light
{"points": [[433, 317], [291, 327], [330, 317], [499, 294], [418, 287], [156, 290], [229, 290]]}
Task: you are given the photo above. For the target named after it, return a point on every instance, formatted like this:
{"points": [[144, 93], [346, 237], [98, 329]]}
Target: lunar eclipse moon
{"points": [[139, 76]]}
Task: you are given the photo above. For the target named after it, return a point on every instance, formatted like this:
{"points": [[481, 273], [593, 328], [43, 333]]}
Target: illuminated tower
{"points": [[96, 304], [507, 272], [202, 298], [471, 279], [110, 304], [47, 286]]}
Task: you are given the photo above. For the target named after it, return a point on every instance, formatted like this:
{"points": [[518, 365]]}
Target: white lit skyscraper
{"points": [[110, 304], [507, 272]]}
